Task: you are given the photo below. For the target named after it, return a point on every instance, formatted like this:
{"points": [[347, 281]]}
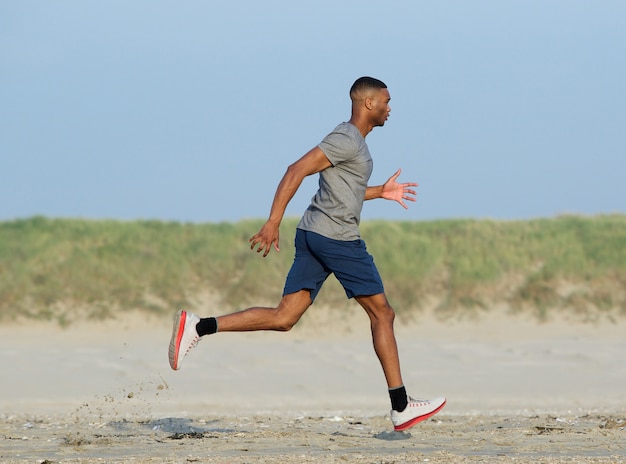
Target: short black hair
{"points": [[365, 83]]}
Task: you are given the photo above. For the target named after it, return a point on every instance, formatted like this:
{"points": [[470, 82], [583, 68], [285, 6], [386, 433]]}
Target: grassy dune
{"points": [[56, 269]]}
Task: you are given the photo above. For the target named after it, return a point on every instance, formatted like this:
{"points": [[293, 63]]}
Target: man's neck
{"points": [[363, 126]]}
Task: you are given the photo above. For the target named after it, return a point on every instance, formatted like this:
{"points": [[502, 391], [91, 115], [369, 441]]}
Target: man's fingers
{"points": [[263, 247]]}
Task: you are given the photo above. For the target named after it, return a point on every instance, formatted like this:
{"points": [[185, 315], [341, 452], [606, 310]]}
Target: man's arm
{"points": [[392, 190], [312, 162]]}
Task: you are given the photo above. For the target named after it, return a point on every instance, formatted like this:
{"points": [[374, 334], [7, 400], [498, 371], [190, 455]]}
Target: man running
{"points": [[328, 242]]}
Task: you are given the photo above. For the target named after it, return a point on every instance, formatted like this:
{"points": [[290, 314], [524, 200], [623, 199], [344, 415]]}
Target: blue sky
{"points": [[191, 111]]}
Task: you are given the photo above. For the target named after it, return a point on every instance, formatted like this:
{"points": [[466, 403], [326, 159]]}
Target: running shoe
{"points": [[184, 337], [415, 412]]}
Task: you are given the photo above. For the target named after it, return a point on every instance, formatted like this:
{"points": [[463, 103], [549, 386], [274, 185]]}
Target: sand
{"points": [[518, 391]]}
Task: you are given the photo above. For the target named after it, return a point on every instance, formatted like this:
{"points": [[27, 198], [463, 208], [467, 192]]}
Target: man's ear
{"points": [[368, 103]]}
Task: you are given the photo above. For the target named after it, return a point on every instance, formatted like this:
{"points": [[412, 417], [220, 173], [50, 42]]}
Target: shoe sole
{"points": [[417, 420], [177, 335]]}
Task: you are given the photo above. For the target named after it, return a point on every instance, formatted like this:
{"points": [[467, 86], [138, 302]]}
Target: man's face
{"points": [[380, 106]]}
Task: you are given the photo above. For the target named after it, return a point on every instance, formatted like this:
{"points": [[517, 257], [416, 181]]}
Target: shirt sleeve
{"points": [[338, 146]]}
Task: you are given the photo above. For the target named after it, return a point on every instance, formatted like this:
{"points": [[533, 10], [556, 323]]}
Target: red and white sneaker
{"points": [[184, 337], [415, 412]]}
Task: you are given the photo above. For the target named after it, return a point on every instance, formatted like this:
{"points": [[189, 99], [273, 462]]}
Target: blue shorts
{"points": [[317, 257]]}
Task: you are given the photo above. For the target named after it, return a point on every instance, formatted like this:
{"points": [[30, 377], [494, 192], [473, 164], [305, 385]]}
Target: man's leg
{"points": [[406, 411], [189, 328], [281, 318], [381, 316]]}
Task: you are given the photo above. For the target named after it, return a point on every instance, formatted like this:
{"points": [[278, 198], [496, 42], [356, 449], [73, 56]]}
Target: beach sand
{"points": [[518, 391]]}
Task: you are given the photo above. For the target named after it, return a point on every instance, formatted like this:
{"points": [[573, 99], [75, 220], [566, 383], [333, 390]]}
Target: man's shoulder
{"points": [[347, 129], [345, 134]]}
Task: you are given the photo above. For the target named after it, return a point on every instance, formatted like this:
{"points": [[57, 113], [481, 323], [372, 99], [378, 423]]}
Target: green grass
{"points": [[57, 268]]}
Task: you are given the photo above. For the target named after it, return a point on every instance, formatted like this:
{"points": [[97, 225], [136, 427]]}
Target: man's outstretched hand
{"points": [[393, 190]]}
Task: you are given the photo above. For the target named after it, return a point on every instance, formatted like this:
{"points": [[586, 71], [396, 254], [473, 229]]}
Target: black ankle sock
{"points": [[206, 326], [399, 399]]}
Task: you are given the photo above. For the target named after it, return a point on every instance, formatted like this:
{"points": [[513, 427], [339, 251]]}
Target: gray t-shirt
{"points": [[335, 210]]}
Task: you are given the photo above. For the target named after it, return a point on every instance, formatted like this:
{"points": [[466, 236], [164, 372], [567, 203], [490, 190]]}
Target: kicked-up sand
{"points": [[518, 391]]}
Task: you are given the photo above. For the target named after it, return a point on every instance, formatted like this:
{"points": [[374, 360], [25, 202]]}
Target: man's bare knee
{"points": [[290, 310], [285, 322], [386, 314], [378, 308]]}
